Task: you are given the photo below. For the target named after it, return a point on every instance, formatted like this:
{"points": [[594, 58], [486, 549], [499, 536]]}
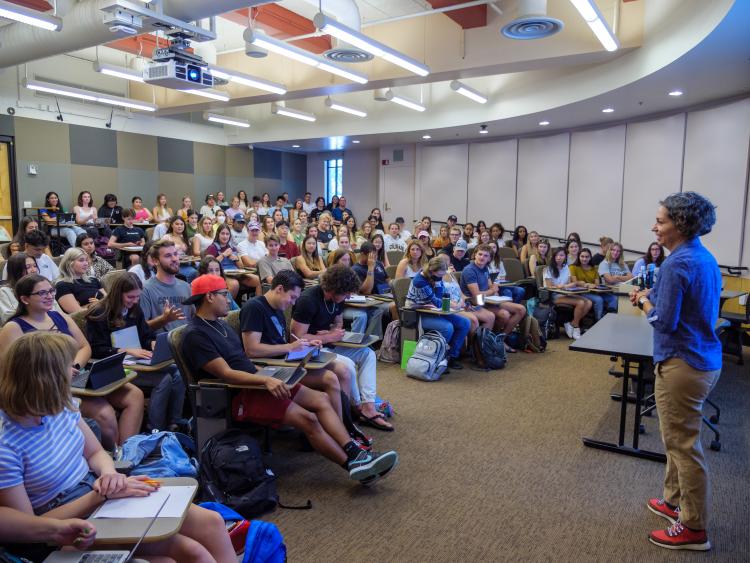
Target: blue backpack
{"points": [[161, 454]]}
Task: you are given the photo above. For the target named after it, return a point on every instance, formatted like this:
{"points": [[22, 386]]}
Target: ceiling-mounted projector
{"points": [[176, 67]]}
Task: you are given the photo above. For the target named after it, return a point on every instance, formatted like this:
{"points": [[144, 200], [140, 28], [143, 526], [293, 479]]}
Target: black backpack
{"points": [[232, 473], [489, 349]]}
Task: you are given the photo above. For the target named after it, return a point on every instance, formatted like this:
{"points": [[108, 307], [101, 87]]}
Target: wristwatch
{"points": [[641, 302]]}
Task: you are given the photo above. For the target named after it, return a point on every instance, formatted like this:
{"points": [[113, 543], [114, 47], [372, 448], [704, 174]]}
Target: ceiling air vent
{"points": [[531, 21], [341, 54]]}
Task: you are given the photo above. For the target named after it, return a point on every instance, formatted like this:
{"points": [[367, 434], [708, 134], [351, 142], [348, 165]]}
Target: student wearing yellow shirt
{"points": [[586, 275]]}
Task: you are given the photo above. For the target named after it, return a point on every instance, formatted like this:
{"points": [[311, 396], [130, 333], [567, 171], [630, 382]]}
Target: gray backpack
{"points": [[390, 347], [429, 361]]}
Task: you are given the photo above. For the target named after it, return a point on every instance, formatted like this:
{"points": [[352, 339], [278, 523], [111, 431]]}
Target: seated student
{"points": [[222, 249], [359, 317], [221, 201], [325, 231], [110, 210], [85, 210], [469, 236], [98, 266], [604, 244], [529, 248], [234, 210], [49, 212], [252, 249], [161, 212], [458, 258], [163, 293], [191, 227], [36, 300], [454, 234], [210, 265], [280, 203], [540, 257], [176, 235], [318, 315], [378, 220], [427, 290], [238, 232], [140, 213], [35, 246], [478, 316], [233, 258], [271, 264], [405, 233], [572, 248], [375, 281], [127, 235], [497, 231], [287, 247], [557, 275], [379, 243], [320, 208], [268, 227], [187, 205], [412, 262], [654, 255], [119, 310], [204, 236], [498, 275], [338, 212], [341, 240], [393, 240], [76, 290], [442, 239], [297, 233], [613, 268], [18, 266], [39, 417], [425, 241], [520, 238], [216, 351], [220, 219], [475, 280], [210, 208], [18, 243], [585, 275], [364, 234], [310, 264], [145, 269]]}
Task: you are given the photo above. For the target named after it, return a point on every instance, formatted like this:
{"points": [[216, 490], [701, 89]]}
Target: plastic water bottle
{"points": [[446, 304], [650, 275]]}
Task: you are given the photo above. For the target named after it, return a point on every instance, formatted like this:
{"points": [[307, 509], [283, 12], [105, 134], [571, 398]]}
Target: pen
{"points": [[152, 482]]}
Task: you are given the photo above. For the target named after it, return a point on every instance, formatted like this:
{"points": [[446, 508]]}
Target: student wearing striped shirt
{"points": [[51, 464]]}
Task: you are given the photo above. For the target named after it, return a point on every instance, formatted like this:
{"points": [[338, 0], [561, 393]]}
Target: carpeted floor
{"points": [[493, 469]]}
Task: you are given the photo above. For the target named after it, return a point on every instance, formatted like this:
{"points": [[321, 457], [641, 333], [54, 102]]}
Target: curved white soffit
{"points": [[688, 25]]}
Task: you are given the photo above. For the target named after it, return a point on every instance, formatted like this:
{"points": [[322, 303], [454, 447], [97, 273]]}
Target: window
{"points": [[334, 169]]}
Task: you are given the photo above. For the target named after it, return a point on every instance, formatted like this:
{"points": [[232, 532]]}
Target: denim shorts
{"points": [[86, 485]]}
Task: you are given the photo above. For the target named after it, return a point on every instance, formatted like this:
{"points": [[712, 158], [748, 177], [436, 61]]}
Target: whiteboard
{"points": [[492, 182], [442, 184], [716, 149], [595, 183], [653, 170], [543, 184]]}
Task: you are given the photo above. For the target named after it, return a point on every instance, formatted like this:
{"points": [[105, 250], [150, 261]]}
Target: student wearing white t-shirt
{"points": [[35, 246], [557, 276], [393, 240], [252, 249]]}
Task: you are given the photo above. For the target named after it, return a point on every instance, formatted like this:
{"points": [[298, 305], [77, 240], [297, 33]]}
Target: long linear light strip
{"points": [[118, 72], [247, 80], [357, 39], [218, 118], [290, 112], [406, 102], [209, 93], [593, 17], [346, 109], [88, 95], [28, 16], [467, 91], [300, 55]]}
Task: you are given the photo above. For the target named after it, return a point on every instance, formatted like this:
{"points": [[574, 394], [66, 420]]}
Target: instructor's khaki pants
{"points": [[680, 392]]}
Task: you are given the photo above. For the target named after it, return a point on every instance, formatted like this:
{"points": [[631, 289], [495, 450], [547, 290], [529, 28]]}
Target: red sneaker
{"points": [[678, 536], [660, 507]]}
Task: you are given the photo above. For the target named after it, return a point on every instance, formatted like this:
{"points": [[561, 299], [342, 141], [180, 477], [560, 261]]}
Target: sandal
{"points": [[372, 421]]}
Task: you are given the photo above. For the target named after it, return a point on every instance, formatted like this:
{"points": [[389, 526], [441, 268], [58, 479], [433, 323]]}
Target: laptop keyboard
{"points": [[103, 558], [80, 380], [284, 374]]}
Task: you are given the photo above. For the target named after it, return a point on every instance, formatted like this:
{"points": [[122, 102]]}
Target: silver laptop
{"points": [[353, 337], [102, 556], [162, 352], [289, 375]]}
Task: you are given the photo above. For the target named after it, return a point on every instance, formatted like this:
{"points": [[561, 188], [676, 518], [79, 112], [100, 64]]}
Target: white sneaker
{"points": [[576, 333], [568, 329]]}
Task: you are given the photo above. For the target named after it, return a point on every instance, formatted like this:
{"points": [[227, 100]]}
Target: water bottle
{"points": [[650, 275], [641, 281], [446, 304]]}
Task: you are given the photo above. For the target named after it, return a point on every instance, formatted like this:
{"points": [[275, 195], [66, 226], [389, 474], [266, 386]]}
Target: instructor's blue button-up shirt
{"points": [[686, 307]]}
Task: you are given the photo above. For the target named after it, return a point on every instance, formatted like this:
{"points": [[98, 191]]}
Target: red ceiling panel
{"points": [[467, 18]]}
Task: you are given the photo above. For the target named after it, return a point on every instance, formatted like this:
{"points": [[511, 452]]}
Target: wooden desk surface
{"points": [[732, 294], [369, 302], [369, 341], [324, 358], [436, 311], [112, 531], [141, 368], [107, 389], [238, 273]]}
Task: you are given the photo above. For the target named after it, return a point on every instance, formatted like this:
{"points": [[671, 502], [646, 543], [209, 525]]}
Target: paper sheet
{"points": [[147, 507]]}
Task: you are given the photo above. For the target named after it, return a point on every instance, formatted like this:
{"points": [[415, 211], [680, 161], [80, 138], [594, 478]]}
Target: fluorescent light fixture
{"points": [[346, 109], [290, 112], [544, 123], [676, 93], [247, 80], [467, 91], [427, 137], [28, 16], [357, 39], [218, 118], [284, 49], [355, 141], [295, 146], [608, 110], [118, 72], [209, 93], [402, 101], [88, 95], [591, 14]]}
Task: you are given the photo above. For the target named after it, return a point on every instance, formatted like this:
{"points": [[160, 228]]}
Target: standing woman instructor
{"points": [[683, 308]]}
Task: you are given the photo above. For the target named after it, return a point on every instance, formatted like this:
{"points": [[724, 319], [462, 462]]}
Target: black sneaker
{"points": [[367, 481], [371, 464], [453, 363]]}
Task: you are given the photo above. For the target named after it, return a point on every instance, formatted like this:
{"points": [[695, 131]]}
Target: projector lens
{"points": [[193, 74]]}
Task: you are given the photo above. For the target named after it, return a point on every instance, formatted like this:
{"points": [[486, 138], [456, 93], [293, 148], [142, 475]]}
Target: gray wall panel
{"points": [[205, 185], [175, 155], [6, 125], [51, 176], [233, 184], [131, 183], [92, 146]]}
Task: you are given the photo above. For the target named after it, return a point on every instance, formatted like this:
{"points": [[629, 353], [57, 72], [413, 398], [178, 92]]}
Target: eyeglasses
{"points": [[223, 292], [45, 292]]}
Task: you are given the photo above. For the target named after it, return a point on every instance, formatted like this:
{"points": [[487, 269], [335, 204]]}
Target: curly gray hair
{"points": [[693, 214]]}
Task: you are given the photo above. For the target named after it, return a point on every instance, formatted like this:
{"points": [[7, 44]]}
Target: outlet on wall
{"points": [[27, 205]]}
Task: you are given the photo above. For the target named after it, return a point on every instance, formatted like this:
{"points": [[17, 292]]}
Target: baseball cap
{"points": [[423, 234], [460, 245], [202, 285], [239, 218], [452, 218], [253, 226]]}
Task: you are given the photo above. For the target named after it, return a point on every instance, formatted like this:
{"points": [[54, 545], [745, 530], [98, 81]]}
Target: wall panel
{"points": [[42, 141], [543, 183], [492, 182], [595, 182], [138, 152], [142, 183], [93, 147], [99, 180], [443, 175]]}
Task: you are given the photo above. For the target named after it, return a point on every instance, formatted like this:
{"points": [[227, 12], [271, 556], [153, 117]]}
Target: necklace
{"points": [[224, 333], [325, 304]]}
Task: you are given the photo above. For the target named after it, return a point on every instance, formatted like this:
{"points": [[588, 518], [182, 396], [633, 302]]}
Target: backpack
{"points": [[489, 349], [529, 328], [101, 249], [232, 473], [161, 454], [547, 319], [429, 361], [390, 347]]}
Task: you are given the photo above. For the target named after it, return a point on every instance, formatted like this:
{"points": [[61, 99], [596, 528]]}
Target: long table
{"points": [[631, 338]]}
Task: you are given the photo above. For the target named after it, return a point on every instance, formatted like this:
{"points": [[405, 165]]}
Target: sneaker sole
{"points": [[652, 509], [686, 546], [378, 465], [368, 481]]}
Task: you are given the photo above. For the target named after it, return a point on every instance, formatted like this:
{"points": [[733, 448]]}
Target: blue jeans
{"points": [[367, 320], [514, 292], [189, 272], [70, 233], [454, 329], [602, 303], [86, 485]]}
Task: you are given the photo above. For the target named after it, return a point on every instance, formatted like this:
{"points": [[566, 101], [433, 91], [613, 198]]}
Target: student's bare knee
{"points": [[331, 381]]}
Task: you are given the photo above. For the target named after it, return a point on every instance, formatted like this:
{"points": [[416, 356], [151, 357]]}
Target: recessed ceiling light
{"points": [[543, 123], [295, 146], [427, 137], [676, 93], [608, 110], [356, 142]]}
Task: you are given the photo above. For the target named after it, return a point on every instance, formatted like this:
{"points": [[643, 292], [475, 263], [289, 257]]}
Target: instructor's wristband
{"points": [[642, 301]]}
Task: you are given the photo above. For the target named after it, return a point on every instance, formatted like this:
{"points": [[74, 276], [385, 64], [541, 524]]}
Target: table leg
{"points": [[638, 401], [624, 403]]}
